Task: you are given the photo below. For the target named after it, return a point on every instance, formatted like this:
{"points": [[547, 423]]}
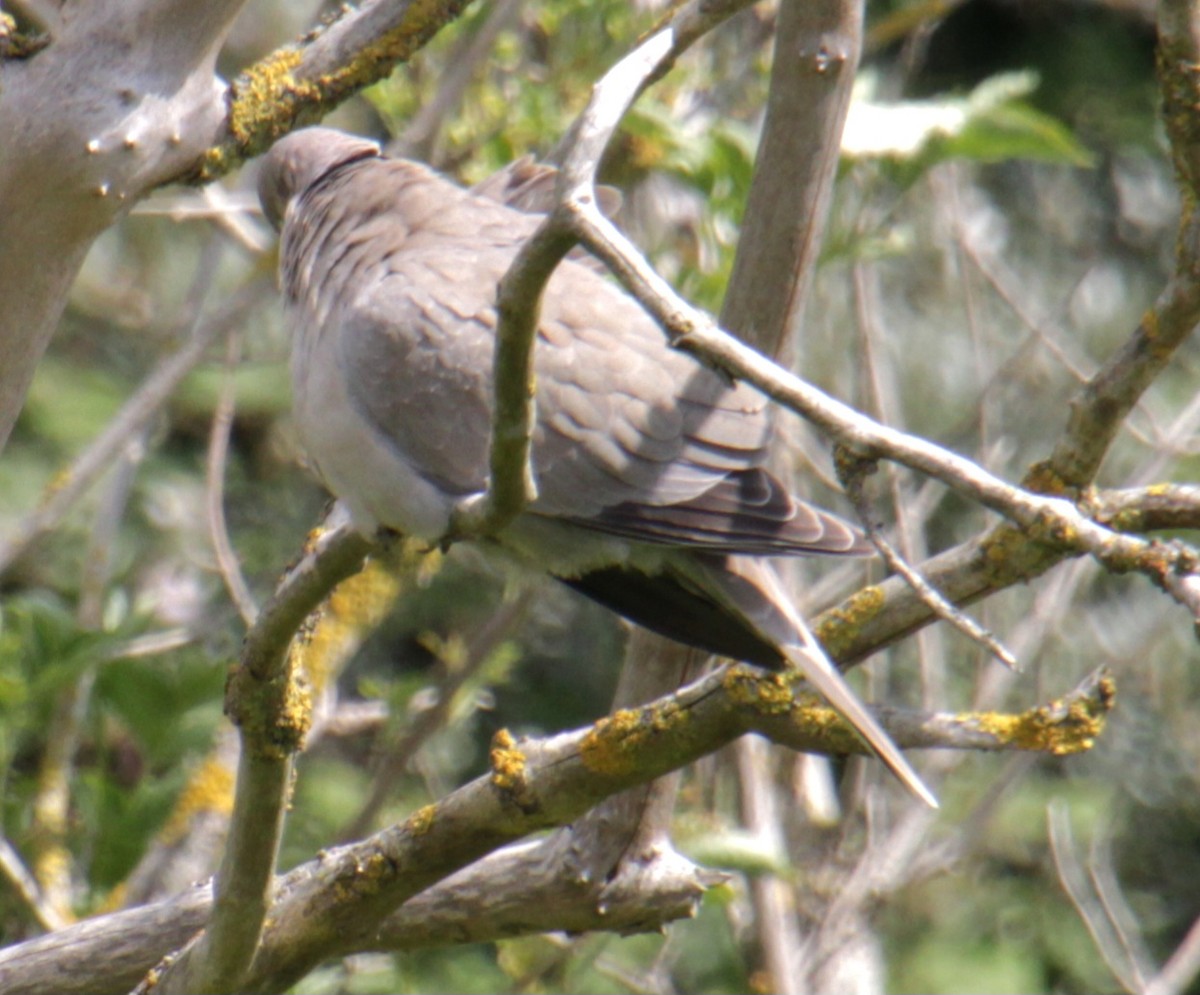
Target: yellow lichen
{"points": [[839, 625], [769, 693], [209, 789], [1043, 478], [295, 716], [1150, 327], [613, 744], [508, 763], [60, 480], [421, 821], [115, 900], [1004, 544], [357, 605], [370, 874], [257, 91], [1060, 728], [275, 715]]}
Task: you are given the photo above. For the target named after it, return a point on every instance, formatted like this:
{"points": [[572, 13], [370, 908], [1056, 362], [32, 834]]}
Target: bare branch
{"points": [[777, 930], [214, 485], [272, 713], [1104, 932], [26, 888], [1100, 409], [124, 97], [853, 476], [817, 46], [1181, 969], [300, 84], [337, 903], [511, 484], [1048, 520]]}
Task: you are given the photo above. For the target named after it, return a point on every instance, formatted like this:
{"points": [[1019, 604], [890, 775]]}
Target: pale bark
{"points": [[124, 97]]}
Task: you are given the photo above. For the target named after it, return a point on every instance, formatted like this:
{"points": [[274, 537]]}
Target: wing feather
{"points": [[633, 438]]}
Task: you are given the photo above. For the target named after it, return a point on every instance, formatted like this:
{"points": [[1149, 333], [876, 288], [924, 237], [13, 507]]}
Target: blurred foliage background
{"points": [[1004, 213]]}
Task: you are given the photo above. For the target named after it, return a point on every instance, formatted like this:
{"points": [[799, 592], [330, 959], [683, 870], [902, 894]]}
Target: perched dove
{"points": [[651, 493]]}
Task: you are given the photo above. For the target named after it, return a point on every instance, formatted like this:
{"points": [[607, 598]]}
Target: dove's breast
{"points": [[375, 480]]}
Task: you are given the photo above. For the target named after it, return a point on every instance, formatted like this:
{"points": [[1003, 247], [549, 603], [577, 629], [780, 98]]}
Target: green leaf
{"points": [[736, 850], [991, 124]]}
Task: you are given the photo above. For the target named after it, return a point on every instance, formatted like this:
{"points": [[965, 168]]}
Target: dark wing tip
{"points": [[749, 511]]}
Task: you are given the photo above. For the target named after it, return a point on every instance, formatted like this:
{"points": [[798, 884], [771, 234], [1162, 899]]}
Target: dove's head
{"points": [[299, 160]]}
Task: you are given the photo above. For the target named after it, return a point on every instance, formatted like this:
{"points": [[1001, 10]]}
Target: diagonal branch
{"points": [[352, 898], [299, 84], [1104, 402], [511, 483]]}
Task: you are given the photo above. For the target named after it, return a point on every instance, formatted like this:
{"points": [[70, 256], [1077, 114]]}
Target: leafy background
{"points": [[1004, 213]]}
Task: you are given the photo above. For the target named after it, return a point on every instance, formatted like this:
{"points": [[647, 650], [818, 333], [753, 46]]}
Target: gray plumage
{"points": [[652, 496]]}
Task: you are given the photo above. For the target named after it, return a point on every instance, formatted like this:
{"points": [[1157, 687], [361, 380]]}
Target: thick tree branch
{"points": [[124, 97], [816, 52], [817, 45], [338, 903], [300, 84]]}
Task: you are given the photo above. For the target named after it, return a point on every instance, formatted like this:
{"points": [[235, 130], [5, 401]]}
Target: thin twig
{"points": [[214, 486], [151, 644], [1075, 883], [26, 888], [1116, 908], [909, 515], [776, 927], [937, 602], [1181, 968]]}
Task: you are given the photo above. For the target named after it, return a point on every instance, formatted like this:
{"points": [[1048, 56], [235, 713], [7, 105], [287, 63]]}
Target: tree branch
{"points": [[124, 97], [511, 483], [272, 712], [817, 46], [338, 903], [1101, 407], [297, 85]]}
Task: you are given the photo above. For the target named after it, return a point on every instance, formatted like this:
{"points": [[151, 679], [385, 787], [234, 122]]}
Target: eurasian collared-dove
{"points": [[651, 493]]}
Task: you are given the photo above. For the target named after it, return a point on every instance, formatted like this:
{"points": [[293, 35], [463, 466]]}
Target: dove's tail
{"points": [[751, 587]]}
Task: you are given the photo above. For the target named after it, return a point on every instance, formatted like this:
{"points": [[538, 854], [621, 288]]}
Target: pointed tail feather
{"points": [[821, 673], [753, 588]]}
